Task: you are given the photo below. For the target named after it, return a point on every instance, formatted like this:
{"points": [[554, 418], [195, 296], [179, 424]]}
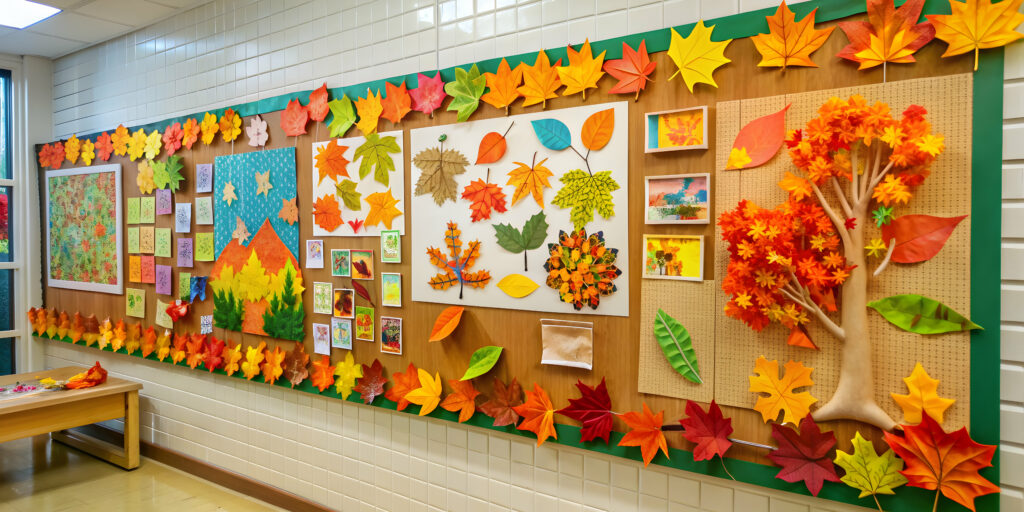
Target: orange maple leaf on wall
{"points": [[889, 35], [646, 433], [789, 42], [331, 161], [326, 213], [538, 414]]}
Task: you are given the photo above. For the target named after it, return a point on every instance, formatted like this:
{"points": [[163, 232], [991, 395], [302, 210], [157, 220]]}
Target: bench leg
{"points": [[131, 430]]}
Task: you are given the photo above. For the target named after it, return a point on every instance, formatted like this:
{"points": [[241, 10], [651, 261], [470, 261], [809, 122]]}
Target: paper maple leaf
{"points": [[804, 455], [136, 145], [148, 341], [429, 94], [438, 168], [289, 211], [586, 193], [593, 410], [465, 90], [232, 355], [347, 372], [375, 155], [382, 209], [195, 350], [402, 384], [428, 395], [976, 25], [294, 365], [369, 110], [163, 345], [645, 432], [343, 116], [179, 349], [119, 140], [633, 70], [697, 56], [346, 190], [889, 35], [922, 398], [317, 106], [271, 367], [253, 358], [257, 132], [781, 395], [503, 86], [530, 180], [869, 472], [483, 198], [583, 71], [294, 119], [230, 125], [214, 354], [709, 431], [540, 81], [326, 213], [456, 264], [371, 384], [789, 42], [331, 161], [397, 102], [462, 399], [323, 373], [538, 414]]}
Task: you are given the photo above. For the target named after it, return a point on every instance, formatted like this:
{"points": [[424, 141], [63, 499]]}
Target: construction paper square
{"points": [[341, 333], [132, 210], [364, 324], [133, 240], [204, 246], [162, 248], [164, 204], [322, 339], [163, 279], [135, 302], [206, 324], [147, 210], [162, 318], [204, 211], [184, 285], [183, 217], [148, 269], [147, 240], [185, 252], [204, 178], [135, 269]]}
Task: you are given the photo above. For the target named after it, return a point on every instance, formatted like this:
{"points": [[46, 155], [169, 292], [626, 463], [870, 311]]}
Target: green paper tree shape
{"points": [[285, 317]]}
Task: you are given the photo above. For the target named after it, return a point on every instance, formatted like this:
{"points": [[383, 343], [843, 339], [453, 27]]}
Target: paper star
{"points": [[229, 193], [263, 185], [289, 212], [241, 233]]}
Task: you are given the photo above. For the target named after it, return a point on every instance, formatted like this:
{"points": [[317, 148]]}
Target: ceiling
{"points": [[83, 23]]}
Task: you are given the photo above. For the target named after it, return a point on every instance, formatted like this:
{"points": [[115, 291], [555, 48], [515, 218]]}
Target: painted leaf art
{"points": [[461, 400], [465, 91], [503, 86], [502, 404], [360, 289], [975, 25], [869, 472], [598, 129], [318, 106], [645, 432], [948, 463], [552, 133], [517, 286], [401, 385], [446, 323], [482, 361], [397, 102], [708, 431], [804, 455], [429, 94], [323, 373], [492, 148], [295, 365], [889, 35], [697, 56], [428, 395], [782, 394], [294, 118], [921, 315], [369, 110], [918, 237], [516, 241], [790, 42], [484, 198], [371, 384], [677, 346], [923, 397], [758, 141], [438, 168], [583, 71], [593, 410], [538, 415], [633, 70], [382, 209], [343, 116], [540, 81], [530, 180]]}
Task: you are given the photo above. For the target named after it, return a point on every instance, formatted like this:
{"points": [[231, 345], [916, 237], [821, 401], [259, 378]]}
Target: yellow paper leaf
{"points": [[540, 81], [789, 42], [923, 397], [253, 358], [697, 56], [382, 209], [428, 395], [977, 24], [583, 70], [503, 86], [517, 285], [369, 110], [346, 373], [781, 394]]}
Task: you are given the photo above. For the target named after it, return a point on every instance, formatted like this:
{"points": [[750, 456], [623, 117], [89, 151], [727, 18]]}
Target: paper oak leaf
{"points": [[343, 116], [758, 141], [257, 132], [708, 431], [465, 91], [346, 373], [397, 102], [318, 106], [516, 241], [323, 373], [923, 397], [530, 180], [540, 81], [402, 384], [331, 162], [375, 155], [429, 93], [538, 415], [593, 410], [502, 405], [326, 213], [462, 399], [977, 24], [289, 211], [271, 367], [918, 237], [503, 86], [294, 365], [369, 110], [428, 395], [869, 472], [789, 42], [804, 455], [633, 70], [446, 323], [645, 432], [483, 198], [371, 385], [697, 56], [346, 190], [253, 358], [294, 119], [583, 71], [781, 392], [438, 168], [889, 35], [382, 209], [586, 193], [948, 463], [492, 148], [456, 263]]}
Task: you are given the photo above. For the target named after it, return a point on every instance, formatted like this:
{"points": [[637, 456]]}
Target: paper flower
{"points": [[257, 132], [72, 148], [104, 147], [120, 140], [153, 144], [209, 128], [88, 152], [145, 178], [230, 125], [172, 138], [190, 133], [136, 145]]}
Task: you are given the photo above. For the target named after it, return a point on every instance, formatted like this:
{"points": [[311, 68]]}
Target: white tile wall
{"points": [[233, 51]]}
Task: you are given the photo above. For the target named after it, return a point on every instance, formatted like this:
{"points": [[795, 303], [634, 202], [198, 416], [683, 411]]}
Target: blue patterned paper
{"points": [[240, 170]]}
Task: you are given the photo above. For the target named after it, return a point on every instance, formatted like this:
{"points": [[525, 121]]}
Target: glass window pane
{"points": [[6, 224], [6, 300], [7, 356], [5, 124]]}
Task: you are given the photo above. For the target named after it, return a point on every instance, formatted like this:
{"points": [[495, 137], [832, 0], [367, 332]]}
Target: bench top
{"points": [[112, 386]]}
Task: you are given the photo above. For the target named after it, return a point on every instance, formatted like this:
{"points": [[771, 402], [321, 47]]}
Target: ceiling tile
{"points": [[29, 43], [136, 13], [182, 4], [69, 25], [60, 4]]}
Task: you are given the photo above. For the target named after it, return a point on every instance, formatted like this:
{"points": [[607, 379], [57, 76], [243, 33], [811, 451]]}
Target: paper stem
{"points": [[725, 468], [875, 496]]}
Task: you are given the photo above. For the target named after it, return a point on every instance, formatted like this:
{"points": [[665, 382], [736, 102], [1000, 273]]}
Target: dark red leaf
{"points": [[360, 289], [593, 409], [708, 430], [213, 358], [501, 406], [371, 384], [804, 455], [361, 267]]}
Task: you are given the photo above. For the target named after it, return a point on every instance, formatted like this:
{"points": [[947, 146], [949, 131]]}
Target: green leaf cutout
{"points": [[173, 169], [921, 315], [160, 177], [531, 237], [678, 347], [869, 472], [466, 91], [347, 191], [375, 154], [343, 116], [584, 194], [482, 361]]}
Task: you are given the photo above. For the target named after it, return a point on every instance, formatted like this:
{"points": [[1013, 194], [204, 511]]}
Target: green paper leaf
{"points": [[678, 347], [585, 194], [921, 315], [466, 91], [160, 177], [375, 153], [343, 116], [482, 361], [173, 168], [347, 191], [869, 472], [531, 237]]}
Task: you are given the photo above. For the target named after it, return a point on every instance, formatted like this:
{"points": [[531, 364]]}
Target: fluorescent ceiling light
{"points": [[22, 13]]}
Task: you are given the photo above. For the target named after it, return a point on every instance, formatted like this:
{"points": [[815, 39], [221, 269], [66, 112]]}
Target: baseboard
{"points": [[220, 476]]}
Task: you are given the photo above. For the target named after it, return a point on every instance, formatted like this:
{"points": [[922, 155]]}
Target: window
{"points": [[7, 268]]}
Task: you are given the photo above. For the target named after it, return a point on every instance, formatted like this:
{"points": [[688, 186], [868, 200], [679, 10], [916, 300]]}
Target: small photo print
{"points": [[364, 323], [341, 333], [391, 335], [341, 262], [322, 298], [678, 257], [391, 289], [322, 339], [314, 254], [391, 246], [362, 264], [344, 302], [677, 199]]}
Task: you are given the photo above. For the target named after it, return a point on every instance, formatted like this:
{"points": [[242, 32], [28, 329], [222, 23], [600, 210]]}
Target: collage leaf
{"points": [[584, 194]]}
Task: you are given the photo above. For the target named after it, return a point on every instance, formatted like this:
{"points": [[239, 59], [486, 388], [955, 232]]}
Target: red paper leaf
{"points": [[492, 148], [918, 237], [646, 433], [759, 140], [483, 198], [214, 349], [294, 118], [429, 94], [709, 431], [593, 410], [355, 225], [402, 384], [889, 35], [633, 70], [502, 406], [371, 384], [361, 291], [317, 106], [804, 455]]}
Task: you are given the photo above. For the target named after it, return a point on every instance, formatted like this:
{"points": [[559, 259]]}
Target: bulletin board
{"points": [[965, 106]]}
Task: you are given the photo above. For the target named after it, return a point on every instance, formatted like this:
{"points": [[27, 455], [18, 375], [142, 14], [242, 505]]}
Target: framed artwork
{"points": [[364, 323], [390, 246], [341, 263], [322, 298], [362, 264], [341, 333], [83, 229], [391, 289], [678, 257], [391, 335], [344, 302], [314, 254], [322, 339], [677, 199], [674, 130]]}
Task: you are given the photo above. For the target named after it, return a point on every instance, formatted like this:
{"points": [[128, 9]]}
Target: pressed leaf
{"points": [[921, 315], [633, 70], [709, 431], [552, 133], [789, 42], [598, 128], [923, 397], [482, 361], [446, 323], [584, 194], [530, 180], [293, 119], [645, 432], [492, 148], [918, 237], [540, 81], [758, 141], [977, 24], [397, 103], [502, 405], [697, 56], [889, 35], [869, 472], [428, 395], [583, 71], [375, 154], [437, 173], [677, 346], [371, 384], [317, 106], [804, 455], [343, 116], [593, 410], [503, 86], [782, 395], [360, 289], [462, 399], [402, 384], [538, 415], [517, 285], [465, 91]]}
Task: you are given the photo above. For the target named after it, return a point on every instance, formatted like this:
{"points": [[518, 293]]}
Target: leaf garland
{"points": [[343, 116], [346, 373], [633, 70], [593, 410], [697, 56], [428, 395], [397, 102], [375, 155], [645, 432], [294, 365], [318, 106], [583, 71], [465, 91], [369, 110], [789, 42], [889, 35], [462, 399], [538, 415], [293, 119]]}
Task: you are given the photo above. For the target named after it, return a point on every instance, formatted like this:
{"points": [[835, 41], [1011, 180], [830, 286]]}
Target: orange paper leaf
{"points": [[462, 399], [326, 212], [503, 86], [530, 180], [483, 198], [758, 141], [323, 373], [598, 128], [271, 366], [331, 161], [889, 35], [645, 432], [492, 148], [402, 384], [633, 70], [317, 106], [446, 322], [789, 42], [540, 81], [294, 118], [397, 102], [538, 414]]}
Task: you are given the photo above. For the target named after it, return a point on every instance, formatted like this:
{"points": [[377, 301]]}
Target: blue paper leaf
{"points": [[552, 133], [198, 288]]}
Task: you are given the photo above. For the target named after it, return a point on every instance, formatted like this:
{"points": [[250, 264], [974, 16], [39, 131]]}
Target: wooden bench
{"points": [[55, 412]]}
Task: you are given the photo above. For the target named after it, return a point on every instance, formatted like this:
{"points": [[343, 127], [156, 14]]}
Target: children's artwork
{"points": [[148, 264], [322, 298], [391, 289], [344, 302], [204, 178], [359, 185], [341, 262], [558, 173], [678, 199], [205, 324], [135, 269], [204, 247], [133, 240], [183, 217], [147, 239], [204, 211], [147, 210], [341, 333], [164, 204], [673, 130], [391, 335], [162, 318], [362, 264], [390, 246], [135, 302], [253, 186], [185, 252], [83, 229], [133, 210], [674, 257], [162, 244], [184, 285], [364, 323], [197, 288], [322, 339], [163, 280], [314, 254]]}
